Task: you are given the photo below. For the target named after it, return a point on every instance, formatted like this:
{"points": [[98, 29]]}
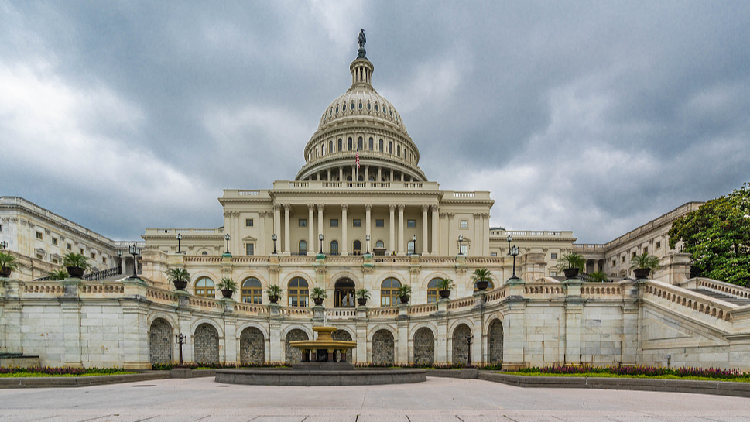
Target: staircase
{"points": [[722, 296]]}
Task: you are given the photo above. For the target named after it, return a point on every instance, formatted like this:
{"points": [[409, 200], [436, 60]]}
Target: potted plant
{"points": [[318, 294], [362, 296], [274, 293], [643, 264], [227, 287], [444, 287], [76, 264], [7, 264], [571, 264], [598, 277], [59, 275], [404, 293], [482, 277], [179, 277]]}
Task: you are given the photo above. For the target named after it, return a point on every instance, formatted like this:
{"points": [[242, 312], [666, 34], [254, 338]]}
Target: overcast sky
{"points": [[594, 117]]}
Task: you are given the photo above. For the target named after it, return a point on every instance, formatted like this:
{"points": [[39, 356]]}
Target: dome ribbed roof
{"points": [[358, 101]]}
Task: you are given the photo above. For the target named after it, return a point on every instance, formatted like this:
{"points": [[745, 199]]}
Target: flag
{"points": [[356, 160]]}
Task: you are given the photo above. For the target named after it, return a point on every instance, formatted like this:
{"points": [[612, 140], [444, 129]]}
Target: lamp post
{"points": [[3, 244], [414, 239], [367, 244], [227, 237], [510, 239], [181, 341], [179, 242], [460, 244], [468, 346], [273, 237], [135, 251], [514, 254], [119, 255], [320, 236]]}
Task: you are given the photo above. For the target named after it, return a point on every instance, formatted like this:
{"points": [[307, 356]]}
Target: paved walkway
{"points": [[439, 399]]}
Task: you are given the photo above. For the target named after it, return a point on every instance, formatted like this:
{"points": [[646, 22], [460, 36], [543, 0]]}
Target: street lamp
{"points": [[179, 240], [119, 256], [460, 244], [367, 244], [273, 237], [468, 345], [135, 251], [510, 239], [227, 237], [181, 341], [414, 239], [514, 254], [320, 236]]}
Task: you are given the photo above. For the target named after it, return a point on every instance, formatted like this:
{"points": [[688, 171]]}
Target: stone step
{"points": [[722, 296]]}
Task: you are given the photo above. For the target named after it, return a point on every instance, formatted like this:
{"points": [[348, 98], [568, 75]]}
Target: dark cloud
{"points": [[592, 117]]}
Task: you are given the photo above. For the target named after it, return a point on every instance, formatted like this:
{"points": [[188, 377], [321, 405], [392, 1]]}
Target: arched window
{"points": [[490, 286], [339, 145], [359, 143], [432, 290], [398, 150], [204, 287], [330, 147], [334, 250], [252, 291], [350, 144], [390, 147], [380, 145], [389, 292], [379, 244], [297, 293], [369, 144], [357, 247], [303, 247]]}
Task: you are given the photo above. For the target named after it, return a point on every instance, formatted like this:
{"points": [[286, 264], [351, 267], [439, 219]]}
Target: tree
{"points": [[717, 237]]}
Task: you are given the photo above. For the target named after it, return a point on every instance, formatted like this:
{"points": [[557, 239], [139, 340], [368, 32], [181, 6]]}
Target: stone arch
{"points": [[343, 335], [495, 339], [160, 341], [424, 346], [252, 346], [459, 346], [206, 344], [383, 348], [294, 355], [201, 321]]}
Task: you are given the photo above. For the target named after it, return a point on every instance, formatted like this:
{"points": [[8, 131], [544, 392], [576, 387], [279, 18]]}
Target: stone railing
{"points": [[160, 295], [382, 312], [251, 309], [600, 289], [102, 289], [687, 300], [44, 287], [341, 313], [722, 287], [296, 312], [423, 309], [204, 302], [543, 288], [296, 259], [202, 259], [466, 302], [250, 259], [394, 259], [496, 295]]}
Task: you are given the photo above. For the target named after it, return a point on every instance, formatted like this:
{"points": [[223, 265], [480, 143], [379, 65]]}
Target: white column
{"points": [[311, 240], [435, 218], [401, 229], [368, 229], [344, 226], [424, 231], [392, 225], [380, 174], [367, 173], [341, 174], [286, 229], [320, 224], [276, 225]]}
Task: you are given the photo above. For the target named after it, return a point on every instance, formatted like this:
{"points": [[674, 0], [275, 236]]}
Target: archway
{"points": [[383, 348], [206, 344], [460, 345], [252, 346], [424, 347], [343, 294], [496, 342], [342, 335], [160, 341], [294, 355]]}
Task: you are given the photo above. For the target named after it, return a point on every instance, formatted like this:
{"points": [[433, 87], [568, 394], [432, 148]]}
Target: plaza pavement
{"points": [[438, 399]]}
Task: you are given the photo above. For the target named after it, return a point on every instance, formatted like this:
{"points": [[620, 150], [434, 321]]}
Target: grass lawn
{"points": [[609, 375]]}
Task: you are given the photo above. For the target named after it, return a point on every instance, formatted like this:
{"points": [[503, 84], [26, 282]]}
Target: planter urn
{"points": [[641, 273], [482, 285], [570, 273], [179, 285], [404, 300], [444, 294], [361, 302], [318, 301], [5, 272], [227, 293], [75, 272], [273, 299]]}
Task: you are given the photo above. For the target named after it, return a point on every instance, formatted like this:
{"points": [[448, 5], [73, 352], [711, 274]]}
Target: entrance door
{"points": [[343, 295]]}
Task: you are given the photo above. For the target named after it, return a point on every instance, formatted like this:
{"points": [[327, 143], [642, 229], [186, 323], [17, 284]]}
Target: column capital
{"points": [[321, 207], [286, 207], [425, 207], [434, 207], [344, 207], [311, 207], [368, 207], [277, 207], [401, 207], [391, 208]]}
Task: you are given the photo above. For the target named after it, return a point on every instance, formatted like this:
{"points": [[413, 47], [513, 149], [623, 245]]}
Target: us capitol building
{"points": [[361, 214]]}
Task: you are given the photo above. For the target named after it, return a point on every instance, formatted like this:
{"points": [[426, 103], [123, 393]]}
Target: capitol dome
{"points": [[361, 121]]}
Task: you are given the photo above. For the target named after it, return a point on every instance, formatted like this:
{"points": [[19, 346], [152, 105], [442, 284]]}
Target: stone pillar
{"points": [[515, 338], [401, 229], [424, 231], [70, 324], [367, 173], [184, 319], [573, 321], [276, 352], [312, 241], [360, 353], [344, 227], [231, 346], [320, 225], [435, 233], [392, 225], [286, 229], [368, 227], [380, 174], [276, 227], [441, 337], [402, 342], [341, 174]]}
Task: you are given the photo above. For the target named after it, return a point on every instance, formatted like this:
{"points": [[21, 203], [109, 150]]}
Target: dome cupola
{"points": [[361, 127]]}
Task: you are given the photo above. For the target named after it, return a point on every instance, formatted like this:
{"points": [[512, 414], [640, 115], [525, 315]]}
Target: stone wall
{"points": [[424, 346], [160, 341], [206, 344], [383, 348], [292, 354], [460, 346], [341, 335], [252, 346]]}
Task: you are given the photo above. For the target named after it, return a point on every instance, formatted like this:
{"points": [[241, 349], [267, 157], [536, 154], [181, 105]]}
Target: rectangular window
{"points": [[334, 222], [464, 224], [380, 223], [68, 247], [645, 250], [104, 260], [93, 255], [248, 222], [357, 222], [658, 245], [411, 223], [54, 260], [82, 251], [39, 235], [303, 222], [464, 249], [54, 241], [633, 255], [1, 228], [39, 256], [493, 253], [614, 262], [553, 255], [250, 249], [553, 274], [623, 258]]}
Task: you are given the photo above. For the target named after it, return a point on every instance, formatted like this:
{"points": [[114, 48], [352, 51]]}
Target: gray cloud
{"points": [[577, 116]]}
